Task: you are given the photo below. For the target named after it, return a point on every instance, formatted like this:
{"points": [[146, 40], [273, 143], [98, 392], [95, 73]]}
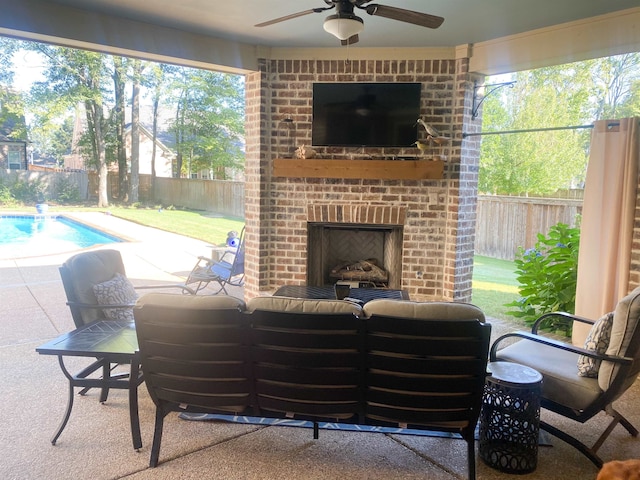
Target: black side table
{"points": [[510, 418]]}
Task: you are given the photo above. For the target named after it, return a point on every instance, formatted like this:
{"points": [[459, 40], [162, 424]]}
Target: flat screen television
{"points": [[365, 114]]}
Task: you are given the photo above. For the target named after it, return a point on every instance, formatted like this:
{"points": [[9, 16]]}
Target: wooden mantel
{"points": [[359, 169]]}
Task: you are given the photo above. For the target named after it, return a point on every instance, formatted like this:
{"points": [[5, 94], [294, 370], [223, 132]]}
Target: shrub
{"points": [[29, 192], [6, 198], [67, 191], [547, 275]]}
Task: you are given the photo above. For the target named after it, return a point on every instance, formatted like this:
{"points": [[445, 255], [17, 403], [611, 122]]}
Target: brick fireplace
{"points": [[424, 226]]}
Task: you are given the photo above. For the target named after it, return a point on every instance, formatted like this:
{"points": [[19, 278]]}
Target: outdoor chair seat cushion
{"points": [[561, 384]]}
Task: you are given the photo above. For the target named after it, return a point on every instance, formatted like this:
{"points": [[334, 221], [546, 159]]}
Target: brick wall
{"points": [[439, 226]]}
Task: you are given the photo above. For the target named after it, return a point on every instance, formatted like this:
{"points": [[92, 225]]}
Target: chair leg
{"points": [[633, 431], [157, 437], [617, 418], [471, 457], [590, 453]]}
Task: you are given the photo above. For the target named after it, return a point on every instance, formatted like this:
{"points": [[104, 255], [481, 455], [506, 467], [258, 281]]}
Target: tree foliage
{"points": [[208, 119], [537, 162]]}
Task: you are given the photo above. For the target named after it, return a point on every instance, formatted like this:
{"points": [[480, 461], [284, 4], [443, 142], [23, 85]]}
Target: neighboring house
{"points": [[164, 155], [13, 142], [13, 154]]}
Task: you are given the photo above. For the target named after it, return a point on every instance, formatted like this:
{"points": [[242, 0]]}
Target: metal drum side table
{"points": [[510, 418]]}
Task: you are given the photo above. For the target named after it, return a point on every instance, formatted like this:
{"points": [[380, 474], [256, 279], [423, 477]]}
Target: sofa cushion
{"points": [[423, 310], [116, 291], [190, 302], [597, 341], [561, 381], [625, 323], [301, 305]]}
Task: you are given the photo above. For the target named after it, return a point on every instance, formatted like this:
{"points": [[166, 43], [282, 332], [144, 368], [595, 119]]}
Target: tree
{"points": [[209, 121], [535, 162], [72, 77], [135, 131], [613, 79], [120, 66]]}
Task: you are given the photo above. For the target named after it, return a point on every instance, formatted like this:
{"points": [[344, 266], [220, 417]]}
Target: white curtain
{"points": [[607, 220]]}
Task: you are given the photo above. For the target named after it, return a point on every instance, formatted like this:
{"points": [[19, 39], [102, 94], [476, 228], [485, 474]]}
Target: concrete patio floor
{"points": [[96, 443]]}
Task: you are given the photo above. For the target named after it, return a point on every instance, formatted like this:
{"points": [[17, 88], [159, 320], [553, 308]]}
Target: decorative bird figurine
{"points": [[432, 134], [422, 146]]}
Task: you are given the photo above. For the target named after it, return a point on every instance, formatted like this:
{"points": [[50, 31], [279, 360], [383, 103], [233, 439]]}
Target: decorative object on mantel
{"points": [[305, 152], [286, 138], [433, 136]]}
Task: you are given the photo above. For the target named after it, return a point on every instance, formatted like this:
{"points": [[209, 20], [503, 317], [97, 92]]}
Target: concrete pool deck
{"points": [[96, 443]]}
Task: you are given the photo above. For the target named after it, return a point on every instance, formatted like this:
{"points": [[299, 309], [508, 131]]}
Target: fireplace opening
{"points": [[368, 255]]}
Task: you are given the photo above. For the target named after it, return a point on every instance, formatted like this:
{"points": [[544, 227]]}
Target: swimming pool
{"points": [[35, 235]]}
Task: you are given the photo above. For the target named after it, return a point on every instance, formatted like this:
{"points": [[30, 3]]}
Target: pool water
{"points": [[35, 235]]}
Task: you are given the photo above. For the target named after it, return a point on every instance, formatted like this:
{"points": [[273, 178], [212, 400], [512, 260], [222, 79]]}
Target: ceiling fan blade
{"points": [[351, 40], [402, 15], [292, 16]]}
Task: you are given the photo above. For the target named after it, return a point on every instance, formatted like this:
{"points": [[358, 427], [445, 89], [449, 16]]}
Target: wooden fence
{"points": [[221, 196], [50, 181], [506, 223]]}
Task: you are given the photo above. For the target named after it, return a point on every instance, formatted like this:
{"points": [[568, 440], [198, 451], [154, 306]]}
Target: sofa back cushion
{"points": [[301, 305], [425, 363], [194, 351], [625, 341], [424, 310], [307, 357]]}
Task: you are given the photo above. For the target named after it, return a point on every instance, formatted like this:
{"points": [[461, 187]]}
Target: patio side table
{"points": [[510, 418]]}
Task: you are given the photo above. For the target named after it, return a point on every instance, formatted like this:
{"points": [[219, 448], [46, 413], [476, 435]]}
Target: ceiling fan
{"points": [[346, 26]]}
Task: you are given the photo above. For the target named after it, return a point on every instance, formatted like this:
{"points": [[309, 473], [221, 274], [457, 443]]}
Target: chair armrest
{"points": [[564, 315], [100, 307], [557, 344], [184, 288]]}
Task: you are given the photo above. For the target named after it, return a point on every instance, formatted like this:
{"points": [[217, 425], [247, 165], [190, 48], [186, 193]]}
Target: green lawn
{"points": [[494, 284], [196, 224]]}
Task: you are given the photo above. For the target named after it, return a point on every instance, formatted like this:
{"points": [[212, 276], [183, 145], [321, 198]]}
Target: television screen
{"points": [[365, 114]]}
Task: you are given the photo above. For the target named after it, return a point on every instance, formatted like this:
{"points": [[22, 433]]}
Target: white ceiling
{"points": [[466, 21]]}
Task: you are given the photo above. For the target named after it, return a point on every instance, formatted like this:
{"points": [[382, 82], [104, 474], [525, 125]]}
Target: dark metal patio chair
{"points": [[580, 398]]}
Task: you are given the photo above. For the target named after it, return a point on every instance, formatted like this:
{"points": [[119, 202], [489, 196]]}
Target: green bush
{"points": [[547, 276], [6, 198], [29, 192], [67, 191]]}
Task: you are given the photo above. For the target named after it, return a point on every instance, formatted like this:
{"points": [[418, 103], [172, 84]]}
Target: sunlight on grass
{"points": [[494, 285]]}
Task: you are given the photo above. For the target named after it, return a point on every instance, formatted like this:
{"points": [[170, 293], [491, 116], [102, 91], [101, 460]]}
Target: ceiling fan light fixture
{"points": [[343, 26]]}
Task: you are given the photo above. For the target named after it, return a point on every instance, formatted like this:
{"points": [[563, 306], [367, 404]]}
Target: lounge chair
{"points": [[228, 270]]}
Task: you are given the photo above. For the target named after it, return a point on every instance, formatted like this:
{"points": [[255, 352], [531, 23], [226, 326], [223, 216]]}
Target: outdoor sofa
{"points": [[390, 363]]}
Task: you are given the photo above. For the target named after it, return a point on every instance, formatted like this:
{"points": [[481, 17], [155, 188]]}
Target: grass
{"points": [[494, 284], [201, 225]]}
